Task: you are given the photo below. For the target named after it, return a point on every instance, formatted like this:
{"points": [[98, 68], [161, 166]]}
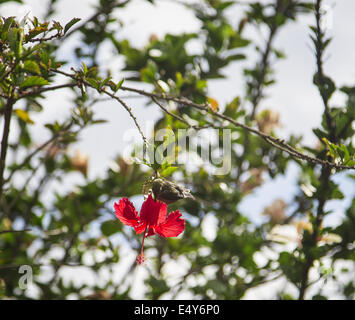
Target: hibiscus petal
{"points": [[126, 213], [153, 212], [140, 228], [150, 232], [172, 226]]}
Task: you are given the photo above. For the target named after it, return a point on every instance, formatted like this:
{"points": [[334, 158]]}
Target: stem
{"points": [[14, 231], [259, 90], [326, 171], [45, 89], [264, 66], [140, 258], [324, 178], [144, 236], [4, 142], [319, 46], [38, 149]]}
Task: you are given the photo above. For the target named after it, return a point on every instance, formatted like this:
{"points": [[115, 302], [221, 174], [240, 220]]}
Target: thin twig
{"points": [[128, 109], [58, 35], [319, 48], [45, 89], [38, 149], [170, 113], [14, 231], [209, 125], [108, 8]]}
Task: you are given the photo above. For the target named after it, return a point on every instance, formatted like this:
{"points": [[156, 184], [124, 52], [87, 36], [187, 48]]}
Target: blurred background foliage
{"points": [[58, 234]]}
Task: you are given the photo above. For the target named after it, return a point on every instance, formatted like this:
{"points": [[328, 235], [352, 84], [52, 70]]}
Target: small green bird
{"points": [[169, 192]]}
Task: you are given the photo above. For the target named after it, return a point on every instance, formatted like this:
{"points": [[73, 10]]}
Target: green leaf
{"points": [[57, 26], [168, 171], [148, 74], [99, 121], [223, 5], [70, 24], [110, 227], [339, 151], [325, 85], [237, 56], [238, 42], [32, 67], [34, 81], [345, 153], [326, 42], [331, 148], [119, 85], [36, 31], [85, 68], [319, 297], [15, 37], [5, 28], [105, 81], [232, 107], [279, 54], [336, 194], [319, 133], [94, 83]]}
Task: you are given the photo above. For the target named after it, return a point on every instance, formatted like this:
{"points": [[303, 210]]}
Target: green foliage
{"points": [[70, 24], [80, 225]]}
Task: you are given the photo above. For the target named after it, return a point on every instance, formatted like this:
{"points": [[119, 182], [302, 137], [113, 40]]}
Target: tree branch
{"points": [[38, 149], [4, 143], [276, 142], [14, 231], [46, 89], [326, 171], [319, 46], [324, 179], [128, 109]]}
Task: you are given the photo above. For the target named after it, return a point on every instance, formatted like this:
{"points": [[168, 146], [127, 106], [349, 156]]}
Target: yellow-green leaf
{"points": [[168, 171], [34, 81], [32, 67], [23, 115], [213, 103]]}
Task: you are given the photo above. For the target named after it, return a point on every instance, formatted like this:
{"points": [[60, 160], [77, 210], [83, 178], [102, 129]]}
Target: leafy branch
{"points": [[275, 142]]}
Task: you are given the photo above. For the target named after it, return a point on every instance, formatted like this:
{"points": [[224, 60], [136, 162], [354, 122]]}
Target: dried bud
{"points": [[267, 120], [153, 38], [276, 211], [80, 162], [98, 295], [169, 192], [255, 180], [124, 166], [242, 24]]}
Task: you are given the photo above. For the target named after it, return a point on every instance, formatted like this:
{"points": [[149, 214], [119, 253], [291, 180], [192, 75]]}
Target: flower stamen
{"points": [[140, 258]]}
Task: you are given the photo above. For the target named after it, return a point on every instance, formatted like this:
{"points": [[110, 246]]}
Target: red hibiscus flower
{"points": [[152, 219]]}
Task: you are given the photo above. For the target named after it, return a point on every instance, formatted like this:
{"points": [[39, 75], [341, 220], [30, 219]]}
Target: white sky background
{"points": [[294, 96]]}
